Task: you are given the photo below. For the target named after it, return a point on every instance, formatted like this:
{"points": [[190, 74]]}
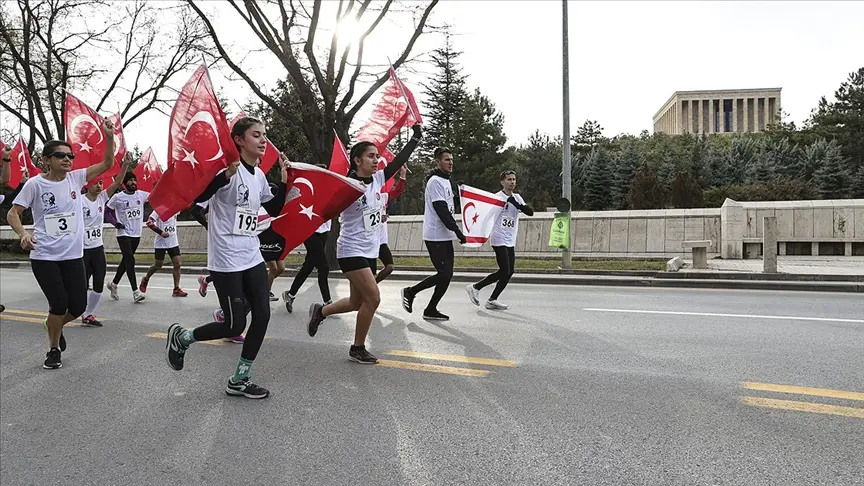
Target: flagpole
{"points": [[566, 257]]}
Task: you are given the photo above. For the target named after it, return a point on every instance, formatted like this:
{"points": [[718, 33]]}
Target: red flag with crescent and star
{"points": [[315, 196], [148, 171], [21, 164], [339, 157], [479, 211], [199, 146], [271, 154]]}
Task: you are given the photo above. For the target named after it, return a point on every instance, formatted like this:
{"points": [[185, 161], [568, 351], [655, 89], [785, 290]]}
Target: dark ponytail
{"points": [[241, 126], [357, 151]]}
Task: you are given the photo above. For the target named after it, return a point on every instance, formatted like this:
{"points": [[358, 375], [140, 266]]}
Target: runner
{"points": [[357, 246], [384, 253], [234, 258], [94, 250], [166, 241], [316, 258], [57, 243], [271, 245], [439, 228], [128, 205], [503, 241]]}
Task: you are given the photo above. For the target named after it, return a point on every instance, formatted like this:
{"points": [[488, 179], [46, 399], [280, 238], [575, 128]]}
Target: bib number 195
{"points": [[247, 223]]}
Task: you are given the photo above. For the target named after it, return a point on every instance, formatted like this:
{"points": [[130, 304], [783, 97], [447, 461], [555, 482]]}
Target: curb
{"points": [[622, 278]]}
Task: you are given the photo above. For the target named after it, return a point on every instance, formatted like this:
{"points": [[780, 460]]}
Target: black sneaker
{"points": [[407, 299], [245, 388], [434, 315], [289, 301], [360, 355], [174, 349], [52, 361], [315, 319]]}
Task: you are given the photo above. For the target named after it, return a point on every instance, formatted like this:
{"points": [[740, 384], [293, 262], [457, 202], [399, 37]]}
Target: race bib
{"points": [[93, 234], [508, 223], [59, 224], [371, 219], [169, 229], [133, 214], [245, 221]]}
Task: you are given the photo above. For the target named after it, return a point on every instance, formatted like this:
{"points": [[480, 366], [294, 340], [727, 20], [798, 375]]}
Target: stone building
{"points": [[719, 111]]}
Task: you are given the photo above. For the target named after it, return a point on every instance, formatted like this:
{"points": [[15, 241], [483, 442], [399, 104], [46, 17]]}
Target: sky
{"points": [[626, 58]]}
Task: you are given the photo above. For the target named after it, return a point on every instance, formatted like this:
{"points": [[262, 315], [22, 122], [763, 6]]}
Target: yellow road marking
{"points": [[162, 335], [452, 357], [30, 319], [432, 368], [803, 390], [804, 407], [26, 312]]}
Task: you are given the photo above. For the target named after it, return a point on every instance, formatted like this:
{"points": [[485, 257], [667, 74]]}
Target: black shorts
{"points": [[271, 244], [384, 254], [351, 264], [172, 252], [64, 284]]}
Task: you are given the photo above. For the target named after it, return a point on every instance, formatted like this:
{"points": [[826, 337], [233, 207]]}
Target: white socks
{"points": [[92, 302]]}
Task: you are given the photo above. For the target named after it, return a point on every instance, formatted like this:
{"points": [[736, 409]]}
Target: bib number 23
{"points": [[371, 220]]}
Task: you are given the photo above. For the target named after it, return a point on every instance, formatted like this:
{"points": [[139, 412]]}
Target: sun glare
{"points": [[348, 31]]}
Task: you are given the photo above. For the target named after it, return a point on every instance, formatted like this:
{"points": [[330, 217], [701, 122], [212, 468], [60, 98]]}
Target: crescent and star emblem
{"points": [[206, 117], [309, 212], [465, 215], [85, 118]]}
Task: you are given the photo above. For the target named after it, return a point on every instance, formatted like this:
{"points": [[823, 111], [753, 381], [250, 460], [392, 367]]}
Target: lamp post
{"points": [[566, 261]]}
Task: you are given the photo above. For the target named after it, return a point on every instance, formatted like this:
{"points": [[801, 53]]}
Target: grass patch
{"points": [[197, 259]]}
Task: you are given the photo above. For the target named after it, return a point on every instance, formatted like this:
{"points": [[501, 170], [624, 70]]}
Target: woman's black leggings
{"points": [[506, 257], [128, 246], [95, 266], [234, 290], [64, 285], [441, 254], [315, 258]]}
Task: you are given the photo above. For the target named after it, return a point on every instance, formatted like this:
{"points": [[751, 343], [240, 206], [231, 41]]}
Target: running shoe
{"points": [[289, 301], [2, 308], [273, 298], [495, 305], [245, 388], [91, 321], [473, 294], [137, 296], [219, 316], [360, 355], [202, 286], [178, 292], [174, 349], [315, 319], [112, 287], [143, 285], [407, 299], [62, 337], [235, 339], [435, 315], [52, 360]]}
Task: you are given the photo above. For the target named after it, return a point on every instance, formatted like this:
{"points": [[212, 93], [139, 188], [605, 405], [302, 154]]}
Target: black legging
{"points": [[64, 285], [315, 258], [506, 257], [441, 254], [95, 266], [234, 289], [128, 246]]}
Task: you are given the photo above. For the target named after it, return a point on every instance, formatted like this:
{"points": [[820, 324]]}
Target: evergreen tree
{"points": [[598, 180], [812, 159], [666, 171], [843, 119], [857, 190], [685, 191], [832, 179], [783, 157], [446, 96], [646, 192], [627, 162], [741, 156]]}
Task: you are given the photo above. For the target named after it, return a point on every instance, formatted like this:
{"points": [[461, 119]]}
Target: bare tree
{"points": [[325, 83], [50, 46]]}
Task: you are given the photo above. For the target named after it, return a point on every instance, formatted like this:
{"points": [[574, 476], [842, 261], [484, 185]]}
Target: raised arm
{"points": [[401, 158], [118, 178], [107, 163]]}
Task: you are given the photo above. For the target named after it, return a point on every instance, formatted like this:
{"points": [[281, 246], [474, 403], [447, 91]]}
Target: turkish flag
{"points": [[479, 211], [317, 195], [199, 146], [21, 164], [339, 157], [271, 154], [148, 171], [84, 133]]}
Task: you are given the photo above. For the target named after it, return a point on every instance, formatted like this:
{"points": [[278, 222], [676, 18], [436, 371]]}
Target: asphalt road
{"points": [[570, 386]]}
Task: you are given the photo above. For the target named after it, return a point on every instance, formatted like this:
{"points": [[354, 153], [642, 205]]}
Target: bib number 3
{"points": [[60, 224]]}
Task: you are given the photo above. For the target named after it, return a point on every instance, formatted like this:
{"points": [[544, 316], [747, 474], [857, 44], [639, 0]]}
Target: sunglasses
{"points": [[60, 155]]}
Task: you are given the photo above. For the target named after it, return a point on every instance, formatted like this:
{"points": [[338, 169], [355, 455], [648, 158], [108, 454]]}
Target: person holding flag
{"points": [[57, 242], [439, 229], [234, 257], [359, 242], [503, 241], [128, 205]]}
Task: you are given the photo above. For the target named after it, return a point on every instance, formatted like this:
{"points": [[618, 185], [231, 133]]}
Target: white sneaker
{"points": [[273, 298], [473, 294], [289, 301], [137, 296], [495, 305], [113, 288]]}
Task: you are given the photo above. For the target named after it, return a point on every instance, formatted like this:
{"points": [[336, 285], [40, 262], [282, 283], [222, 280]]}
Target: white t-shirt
{"points": [[324, 227], [437, 189], [94, 220], [58, 218], [507, 223], [170, 227], [129, 209], [232, 238], [358, 236], [382, 232]]}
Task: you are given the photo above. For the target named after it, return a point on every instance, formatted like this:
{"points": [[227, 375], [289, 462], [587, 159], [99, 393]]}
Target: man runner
{"points": [[166, 241], [128, 205]]}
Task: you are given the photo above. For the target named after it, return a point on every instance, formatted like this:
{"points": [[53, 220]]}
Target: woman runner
{"points": [[57, 243], [358, 243], [234, 258], [503, 241]]}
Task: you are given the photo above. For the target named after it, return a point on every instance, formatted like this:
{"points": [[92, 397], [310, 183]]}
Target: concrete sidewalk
{"points": [[801, 265]]}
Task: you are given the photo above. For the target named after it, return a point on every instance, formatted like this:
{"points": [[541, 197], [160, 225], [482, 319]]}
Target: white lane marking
{"points": [[712, 314]]}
